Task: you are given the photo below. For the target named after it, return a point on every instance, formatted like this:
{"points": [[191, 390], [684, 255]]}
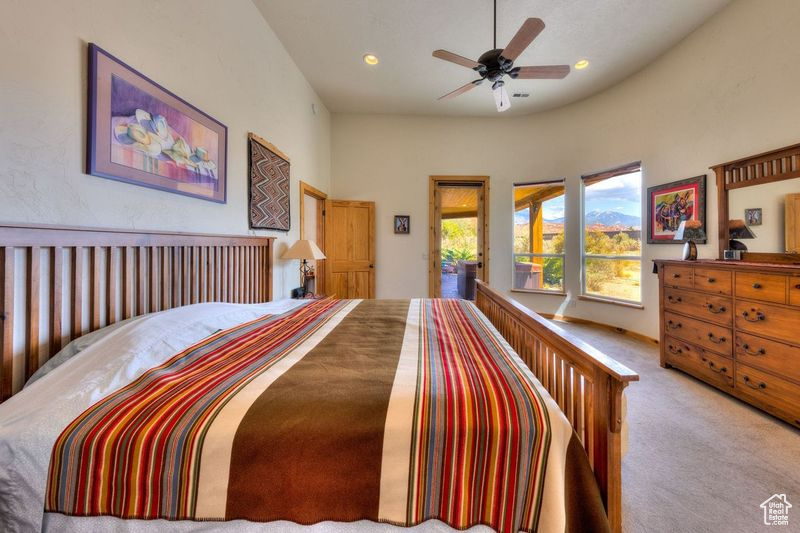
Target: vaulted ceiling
{"points": [[328, 38]]}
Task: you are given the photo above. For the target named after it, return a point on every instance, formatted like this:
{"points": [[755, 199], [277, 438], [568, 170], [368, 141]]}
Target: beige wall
{"points": [[221, 56], [729, 90]]}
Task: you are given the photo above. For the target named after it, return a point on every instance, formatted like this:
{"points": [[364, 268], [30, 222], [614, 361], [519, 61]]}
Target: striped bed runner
{"points": [[393, 411]]}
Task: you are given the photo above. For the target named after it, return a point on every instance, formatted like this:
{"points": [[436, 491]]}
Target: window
{"points": [[612, 234], [539, 237]]}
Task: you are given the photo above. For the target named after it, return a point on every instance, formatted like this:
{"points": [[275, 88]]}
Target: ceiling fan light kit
{"points": [[497, 63]]}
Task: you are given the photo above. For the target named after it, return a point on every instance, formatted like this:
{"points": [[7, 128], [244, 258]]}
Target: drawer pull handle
{"points": [[716, 340], [711, 280], [722, 370], [797, 286], [756, 285], [720, 309], [748, 351], [676, 275], [676, 299], [673, 350], [759, 315], [760, 386], [674, 325]]}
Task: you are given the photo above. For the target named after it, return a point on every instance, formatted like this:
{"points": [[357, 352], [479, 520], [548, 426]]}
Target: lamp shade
{"points": [[737, 229], [690, 230], [303, 249]]}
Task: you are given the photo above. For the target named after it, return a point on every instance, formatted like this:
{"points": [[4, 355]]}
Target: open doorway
{"points": [[459, 229], [312, 227]]}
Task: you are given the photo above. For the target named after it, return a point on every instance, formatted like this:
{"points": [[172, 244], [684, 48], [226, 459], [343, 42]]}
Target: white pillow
{"points": [[75, 347]]}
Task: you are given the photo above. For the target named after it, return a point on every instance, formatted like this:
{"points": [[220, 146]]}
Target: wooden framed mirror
{"points": [[768, 167]]}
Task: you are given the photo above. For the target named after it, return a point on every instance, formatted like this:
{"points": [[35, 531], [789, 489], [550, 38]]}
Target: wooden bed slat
{"points": [[56, 299], [77, 292], [34, 311], [7, 344]]}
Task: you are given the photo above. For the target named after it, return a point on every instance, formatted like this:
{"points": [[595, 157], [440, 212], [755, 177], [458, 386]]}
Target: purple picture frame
{"points": [[140, 133]]}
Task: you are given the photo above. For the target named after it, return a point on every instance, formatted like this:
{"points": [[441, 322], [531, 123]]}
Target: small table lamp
{"points": [[737, 229], [690, 231], [303, 250]]}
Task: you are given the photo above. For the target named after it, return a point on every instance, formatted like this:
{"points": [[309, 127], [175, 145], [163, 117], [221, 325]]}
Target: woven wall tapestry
{"points": [[269, 186]]}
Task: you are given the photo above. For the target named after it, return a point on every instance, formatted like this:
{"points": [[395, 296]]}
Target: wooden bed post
{"points": [[586, 384]]}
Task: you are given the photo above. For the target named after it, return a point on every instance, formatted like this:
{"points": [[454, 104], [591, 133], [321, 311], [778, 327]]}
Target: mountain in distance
{"points": [[606, 218]]}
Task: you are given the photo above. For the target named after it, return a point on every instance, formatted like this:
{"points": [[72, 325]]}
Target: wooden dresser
{"points": [[736, 326]]}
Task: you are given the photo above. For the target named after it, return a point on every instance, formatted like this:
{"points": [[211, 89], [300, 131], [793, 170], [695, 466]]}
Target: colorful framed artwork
{"points": [[670, 204], [141, 133], [269, 186], [402, 224], [753, 216]]}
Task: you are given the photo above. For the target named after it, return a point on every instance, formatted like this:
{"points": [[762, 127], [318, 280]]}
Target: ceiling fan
{"points": [[497, 63]]}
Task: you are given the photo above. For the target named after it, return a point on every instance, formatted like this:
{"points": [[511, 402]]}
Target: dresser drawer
{"points": [[711, 280], [710, 336], [708, 366], [768, 320], [794, 291], [706, 306], [678, 276], [770, 392], [764, 287], [768, 355]]}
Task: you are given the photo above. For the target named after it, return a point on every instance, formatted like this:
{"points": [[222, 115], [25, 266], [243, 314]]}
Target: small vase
{"points": [[690, 251]]}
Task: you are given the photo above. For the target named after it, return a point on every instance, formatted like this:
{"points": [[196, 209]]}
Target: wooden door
{"points": [[350, 248]]}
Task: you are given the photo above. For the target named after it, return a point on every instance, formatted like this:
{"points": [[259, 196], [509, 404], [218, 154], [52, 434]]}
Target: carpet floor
{"points": [[698, 460]]}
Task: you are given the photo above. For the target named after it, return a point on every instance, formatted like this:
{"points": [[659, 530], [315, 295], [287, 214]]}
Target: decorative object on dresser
{"points": [[737, 229], [734, 326], [141, 133], [672, 203], [304, 250], [402, 224], [688, 232], [269, 185]]}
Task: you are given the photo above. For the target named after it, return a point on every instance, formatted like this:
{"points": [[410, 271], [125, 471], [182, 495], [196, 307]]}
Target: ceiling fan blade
{"points": [[461, 90], [548, 72], [455, 58], [524, 37]]}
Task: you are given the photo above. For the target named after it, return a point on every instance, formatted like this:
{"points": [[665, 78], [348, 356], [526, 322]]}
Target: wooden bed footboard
{"points": [[585, 383]]}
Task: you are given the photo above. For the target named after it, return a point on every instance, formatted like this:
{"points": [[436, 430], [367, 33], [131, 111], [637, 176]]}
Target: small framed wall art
{"points": [[672, 203], [141, 133], [269, 186], [753, 216], [402, 224]]}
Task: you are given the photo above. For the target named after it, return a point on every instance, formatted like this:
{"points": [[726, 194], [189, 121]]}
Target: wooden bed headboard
{"points": [[58, 283]]}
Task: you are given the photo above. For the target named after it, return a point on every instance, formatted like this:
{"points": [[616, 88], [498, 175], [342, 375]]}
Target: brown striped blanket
{"points": [[386, 410]]}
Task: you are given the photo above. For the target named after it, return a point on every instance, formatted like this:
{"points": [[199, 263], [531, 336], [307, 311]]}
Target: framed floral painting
{"points": [[672, 203], [141, 133]]}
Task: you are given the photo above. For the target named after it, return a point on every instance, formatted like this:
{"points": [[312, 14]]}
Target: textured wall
{"points": [[727, 91], [220, 56]]}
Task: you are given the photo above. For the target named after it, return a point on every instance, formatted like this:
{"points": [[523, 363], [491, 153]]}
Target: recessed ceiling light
{"points": [[582, 64], [371, 59]]}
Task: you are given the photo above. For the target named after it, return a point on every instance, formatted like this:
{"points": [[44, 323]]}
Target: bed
{"points": [[207, 407]]}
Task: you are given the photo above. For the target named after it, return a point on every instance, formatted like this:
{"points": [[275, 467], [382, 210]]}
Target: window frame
{"points": [[514, 254], [591, 179]]}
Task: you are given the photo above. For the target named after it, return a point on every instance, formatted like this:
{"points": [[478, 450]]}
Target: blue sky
{"points": [[622, 193]]}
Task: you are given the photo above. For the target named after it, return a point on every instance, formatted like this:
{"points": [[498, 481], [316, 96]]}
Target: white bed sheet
{"points": [[31, 421]]}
